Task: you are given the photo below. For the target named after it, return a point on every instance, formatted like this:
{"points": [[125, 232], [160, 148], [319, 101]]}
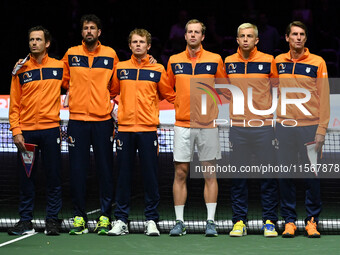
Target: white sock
{"points": [[179, 211], [211, 209]]}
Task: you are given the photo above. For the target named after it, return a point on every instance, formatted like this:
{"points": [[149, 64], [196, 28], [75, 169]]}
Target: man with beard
{"points": [[90, 67]]}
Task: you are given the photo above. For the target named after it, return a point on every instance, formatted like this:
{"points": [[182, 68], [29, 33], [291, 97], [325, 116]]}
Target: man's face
{"points": [[37, 42], [297, 38], [139, 46], [193, 35], [90, 32], [247, 39]]}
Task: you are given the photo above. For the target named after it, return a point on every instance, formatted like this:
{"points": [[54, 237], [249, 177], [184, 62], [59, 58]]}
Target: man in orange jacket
{"points": [[140, 85], [252, 133], [34, 119], [194, 62], [300, 69], [90, 67]]}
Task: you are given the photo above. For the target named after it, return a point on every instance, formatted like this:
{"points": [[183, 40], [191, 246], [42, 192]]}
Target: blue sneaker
{"points": [[210, 229], [179, 229], [269, 229]]}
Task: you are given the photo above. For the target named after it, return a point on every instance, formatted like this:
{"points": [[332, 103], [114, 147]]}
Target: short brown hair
{"points": [[296, 24], [195, 21], [141, 32], [47, 34]]}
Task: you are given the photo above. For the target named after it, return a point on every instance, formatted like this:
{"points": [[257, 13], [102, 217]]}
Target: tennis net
{"points": [[195, 210]]}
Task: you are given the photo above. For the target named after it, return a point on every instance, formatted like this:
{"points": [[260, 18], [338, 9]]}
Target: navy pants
{"points": [[48, 141], [244, 142], [147, 145], [99, 134], [293, 151]]}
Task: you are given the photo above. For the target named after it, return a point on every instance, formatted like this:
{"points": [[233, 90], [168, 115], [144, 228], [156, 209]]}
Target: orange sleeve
{"points": [[14, 107], [225, 92], [322, 85], [115, 61], [221, 72], [115, 85], [274, 75], [165, 89], [66, 76], [171, 76]]}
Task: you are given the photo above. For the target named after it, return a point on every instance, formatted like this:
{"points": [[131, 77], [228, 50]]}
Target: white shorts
{"points": [[206, 140]]}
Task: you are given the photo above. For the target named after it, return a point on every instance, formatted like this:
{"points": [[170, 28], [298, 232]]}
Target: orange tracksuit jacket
{"points": [[35, 95], [140, 86], [257, 72], [309, 72], [181, 68], [89, 75]]}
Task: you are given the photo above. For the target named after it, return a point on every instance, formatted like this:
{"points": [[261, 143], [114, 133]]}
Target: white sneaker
{"points": [[119, 228], [151, 228]]}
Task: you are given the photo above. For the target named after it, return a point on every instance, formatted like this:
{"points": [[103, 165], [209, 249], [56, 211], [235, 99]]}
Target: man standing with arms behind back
{"points": [[251, 133], [300, 69], [90, 68], [194, 62], [139, 84]]}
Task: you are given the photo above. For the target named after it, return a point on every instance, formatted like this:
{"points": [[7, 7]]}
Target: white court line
{"points": [[18, 239]]}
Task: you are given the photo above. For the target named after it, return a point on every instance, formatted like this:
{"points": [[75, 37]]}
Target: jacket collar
{"points": [[34, 61], [198, 53], [91, 52], [145, 61], [305, 55], [251, 55]]}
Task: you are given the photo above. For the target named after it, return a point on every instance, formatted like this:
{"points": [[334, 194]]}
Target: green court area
{"points": [[189, 244]]}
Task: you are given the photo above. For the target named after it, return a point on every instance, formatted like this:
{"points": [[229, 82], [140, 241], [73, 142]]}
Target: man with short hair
{"points": [[34, 119], [194, 62], [251, 133], [300, 69], [140, 85], [90, 67]]}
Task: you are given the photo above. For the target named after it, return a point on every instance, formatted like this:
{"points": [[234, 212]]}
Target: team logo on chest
{"points": [[307, 69], [208, 67], [27, 77], [152, 75], [55, 72], [106, 62], [75, 59], [260, 67], [178, 67], [282, 66], [124, 74], [232, 66]]}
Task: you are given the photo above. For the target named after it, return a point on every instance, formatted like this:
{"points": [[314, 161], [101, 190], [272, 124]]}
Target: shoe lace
{"points": [[238, 226], [79, 222], [290, 227], [21, 224], [269, 226], [118, 224], [311, 225], [103, 222], [211, 225], [52, 223], [179, 225]]}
